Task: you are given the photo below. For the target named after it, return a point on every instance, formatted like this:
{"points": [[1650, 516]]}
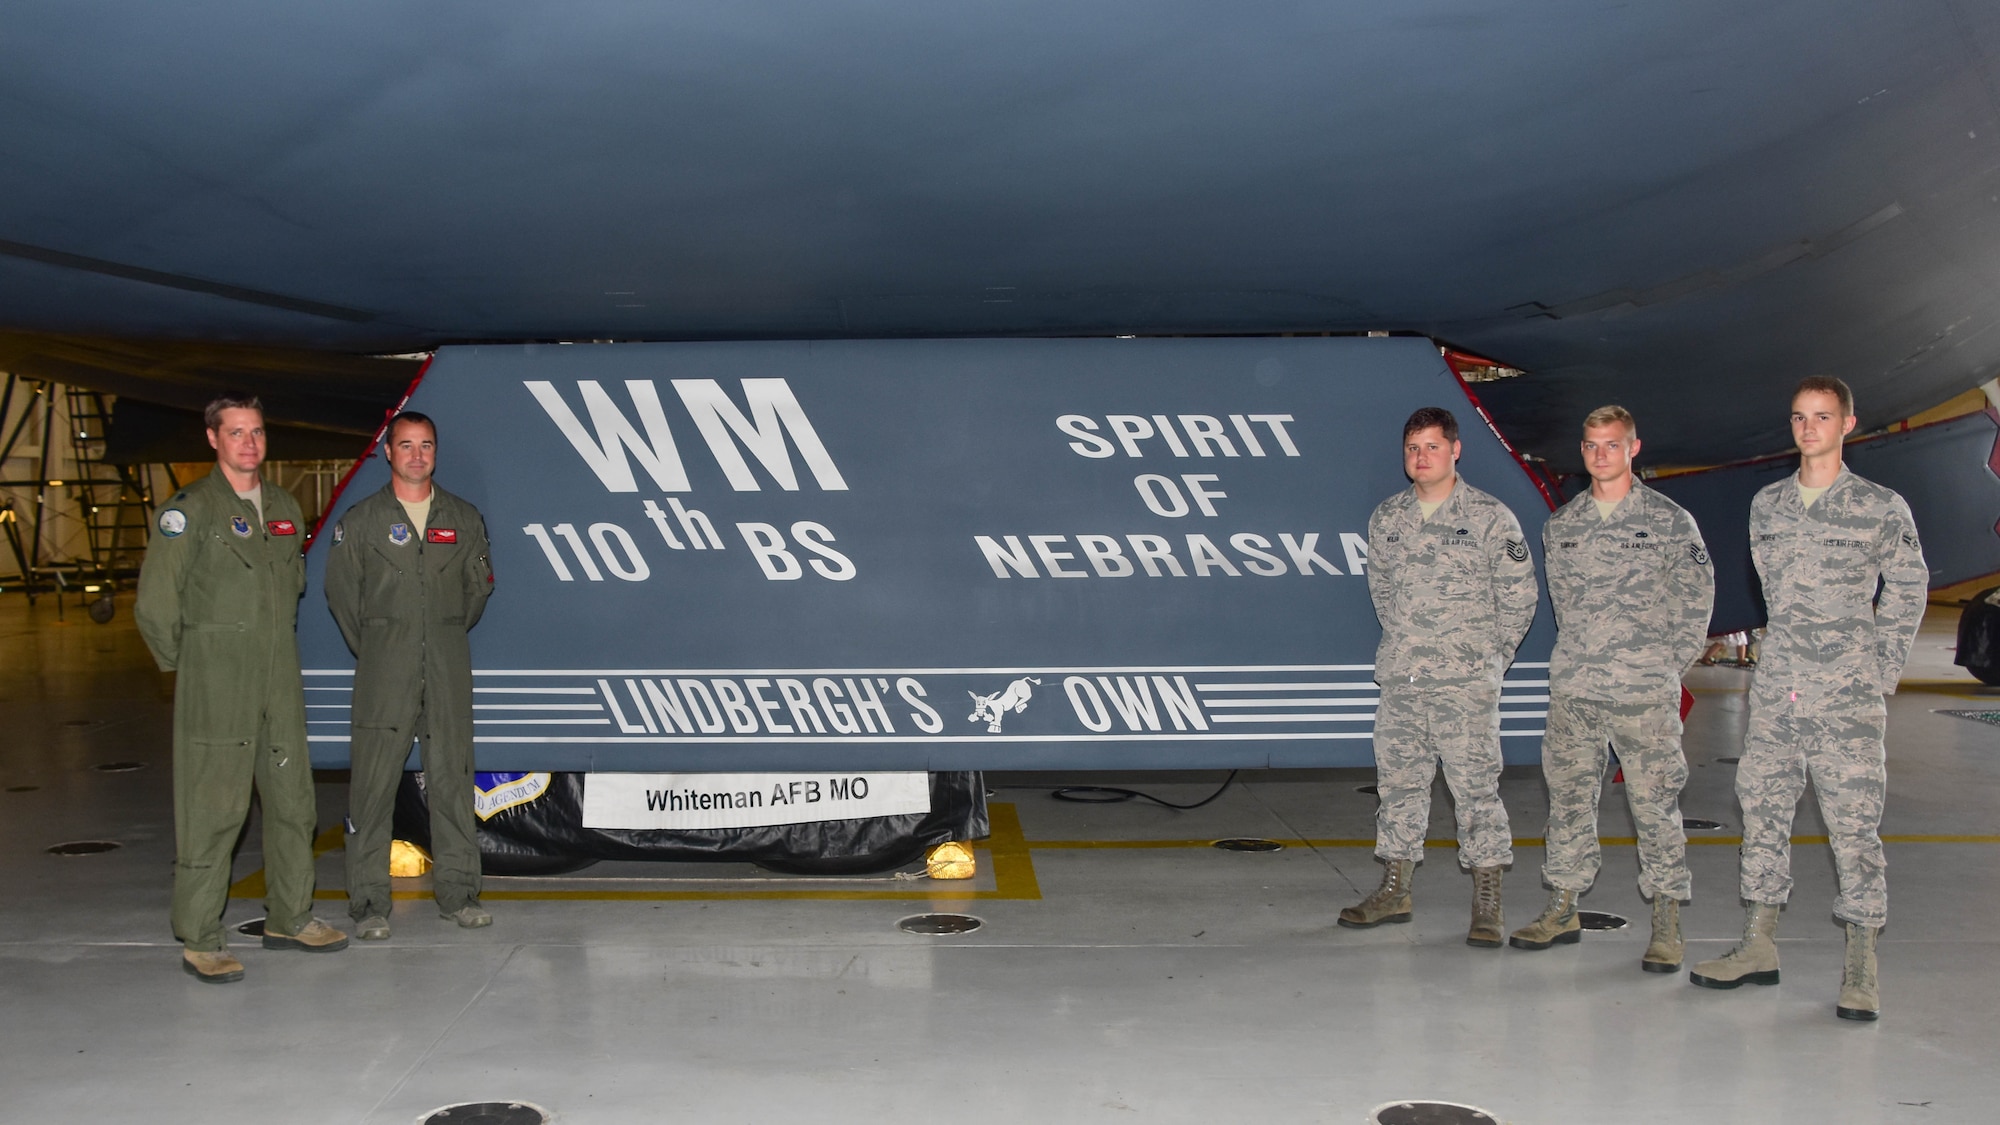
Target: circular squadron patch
{"points": [[399, 533], [173, 521], [240, 526]]}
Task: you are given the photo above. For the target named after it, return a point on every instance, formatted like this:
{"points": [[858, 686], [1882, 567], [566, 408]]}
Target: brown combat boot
{"points": [[218, 967], [1860, 994], [1487, 930], [1389, 903], [1664, 952], [313, 937], [1755, 958], [1556, 926]]}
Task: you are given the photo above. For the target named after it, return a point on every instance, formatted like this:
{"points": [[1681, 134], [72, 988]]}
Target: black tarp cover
{"points": [[546, 835]]}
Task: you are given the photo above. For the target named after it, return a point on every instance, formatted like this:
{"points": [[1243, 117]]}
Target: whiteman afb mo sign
{"points": [[897, 555]]}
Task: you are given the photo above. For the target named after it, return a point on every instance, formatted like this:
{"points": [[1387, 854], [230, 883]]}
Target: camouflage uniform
{"points": [[1632, 597], [1832, 649], [1455, 594]]}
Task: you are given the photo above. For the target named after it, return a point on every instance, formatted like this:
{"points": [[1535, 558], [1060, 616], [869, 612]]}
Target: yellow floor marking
{"points": [[252, 885], [1519, 842], [1011, 854], [1006, 849], [1949, 687]]}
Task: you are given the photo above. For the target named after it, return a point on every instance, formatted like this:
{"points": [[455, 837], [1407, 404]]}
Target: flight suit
{"points": [[218, 604], [1455, 595], [1833, 647], [404, 600], [1632, 597]]}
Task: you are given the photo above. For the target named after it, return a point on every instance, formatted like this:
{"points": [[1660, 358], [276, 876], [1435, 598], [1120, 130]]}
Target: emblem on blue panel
{"points": [[173, 521], [399, 533], [496, 792], [991, 707], [240, 526]]}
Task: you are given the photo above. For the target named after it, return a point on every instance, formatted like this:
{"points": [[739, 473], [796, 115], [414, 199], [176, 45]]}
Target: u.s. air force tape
{"points": [[173, 521]]}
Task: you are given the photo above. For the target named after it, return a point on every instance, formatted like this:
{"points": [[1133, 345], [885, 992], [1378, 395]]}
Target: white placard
{"points": [[747, 800]]}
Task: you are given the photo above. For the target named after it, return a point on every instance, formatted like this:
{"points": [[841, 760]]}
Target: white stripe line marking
{"points": [[1212, 703]]}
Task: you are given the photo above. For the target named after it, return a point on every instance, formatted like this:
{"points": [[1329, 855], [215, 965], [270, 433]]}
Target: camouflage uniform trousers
{"points": [[1647, 739], [1419, 726], [1840, 746]]}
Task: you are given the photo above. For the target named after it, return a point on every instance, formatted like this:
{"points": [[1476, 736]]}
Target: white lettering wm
{"points": [[774, 412], [655, 451]]}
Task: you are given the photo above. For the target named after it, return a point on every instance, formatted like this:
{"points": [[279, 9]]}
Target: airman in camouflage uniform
{"points": [[1633, 588], [1833, 647], [1455, 592], [219, 605]]}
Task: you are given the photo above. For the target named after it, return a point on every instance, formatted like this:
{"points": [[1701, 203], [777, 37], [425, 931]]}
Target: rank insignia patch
{"points": [[399, 533], [1697, 554], [240, 526], [441, 535], [1517, 550]]}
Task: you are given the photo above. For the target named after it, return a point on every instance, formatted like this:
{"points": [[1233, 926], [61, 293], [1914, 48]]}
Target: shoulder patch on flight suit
{"points": [[339, 533], [240, 526], [173, 521], [441, 535], [399, 533]]}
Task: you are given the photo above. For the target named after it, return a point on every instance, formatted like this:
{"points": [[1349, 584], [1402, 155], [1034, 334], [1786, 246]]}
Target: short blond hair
{"points": [[1606, 415]]}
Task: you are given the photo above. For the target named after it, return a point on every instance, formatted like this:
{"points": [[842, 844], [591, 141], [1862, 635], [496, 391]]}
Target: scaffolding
{"points": [[111, 504]]}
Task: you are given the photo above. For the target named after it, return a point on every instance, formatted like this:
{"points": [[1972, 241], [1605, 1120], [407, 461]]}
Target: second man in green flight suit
{"points": [[407, 576]]}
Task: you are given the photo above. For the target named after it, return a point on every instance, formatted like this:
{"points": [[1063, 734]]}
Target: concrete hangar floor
{"points": [[1126, 971]]}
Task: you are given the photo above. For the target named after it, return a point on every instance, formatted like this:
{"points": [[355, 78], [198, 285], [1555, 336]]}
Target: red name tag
{"points": [[283, 527], [441, 535]]}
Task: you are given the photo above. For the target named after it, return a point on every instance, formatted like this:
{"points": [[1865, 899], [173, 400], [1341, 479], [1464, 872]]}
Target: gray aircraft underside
{"points": [[1682, 207]]}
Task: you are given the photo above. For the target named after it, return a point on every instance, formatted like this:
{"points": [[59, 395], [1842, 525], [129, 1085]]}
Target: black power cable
{"points": [[1111, 795]]}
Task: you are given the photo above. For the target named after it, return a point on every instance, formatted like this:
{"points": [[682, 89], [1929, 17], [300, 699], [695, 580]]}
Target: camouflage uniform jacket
{"points": [[1829, 633], [1455, 593], [1632, 597]]}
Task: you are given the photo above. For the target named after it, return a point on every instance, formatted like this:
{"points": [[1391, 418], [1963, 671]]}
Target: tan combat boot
{"points": [[1663, 953], [218, 967], [1487, 928], [1389, 903], [1557, 925], [313, 937], [1860, 994], [1755, 958]]}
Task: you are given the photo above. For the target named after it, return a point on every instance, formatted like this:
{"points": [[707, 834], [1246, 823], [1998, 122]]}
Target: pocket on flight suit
{"points": [[215, 776]]}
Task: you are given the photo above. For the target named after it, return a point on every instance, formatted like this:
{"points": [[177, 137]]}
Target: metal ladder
{"points": [[116, 507]]}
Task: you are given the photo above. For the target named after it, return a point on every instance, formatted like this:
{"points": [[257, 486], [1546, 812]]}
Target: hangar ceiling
{"points": [[1681, 207]]}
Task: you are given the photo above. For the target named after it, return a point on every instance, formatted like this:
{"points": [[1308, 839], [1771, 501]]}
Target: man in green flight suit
{"points": [[219, 605], [407, 576]]}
